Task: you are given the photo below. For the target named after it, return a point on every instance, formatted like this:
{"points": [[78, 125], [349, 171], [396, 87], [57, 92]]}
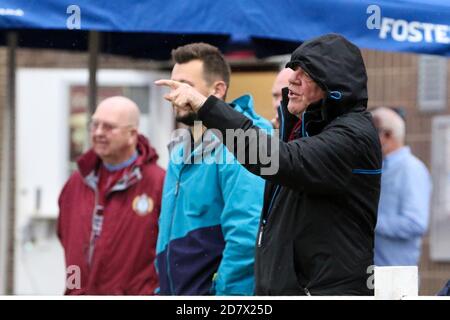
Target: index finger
{"points": [[168, 83]]}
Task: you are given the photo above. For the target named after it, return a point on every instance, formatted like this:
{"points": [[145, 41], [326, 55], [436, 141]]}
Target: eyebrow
{"points": [[106, 122], [188, 82]]}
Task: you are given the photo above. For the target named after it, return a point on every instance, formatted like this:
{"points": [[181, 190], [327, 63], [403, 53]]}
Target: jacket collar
{"points": [[184, 147], [89, 163], [396, 156]]}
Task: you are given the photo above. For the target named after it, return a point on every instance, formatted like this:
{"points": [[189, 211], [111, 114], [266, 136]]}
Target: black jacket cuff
{"points": [[206, 107]]}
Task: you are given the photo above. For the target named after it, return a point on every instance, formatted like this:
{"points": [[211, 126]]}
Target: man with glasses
{"points": [[109, 208]]}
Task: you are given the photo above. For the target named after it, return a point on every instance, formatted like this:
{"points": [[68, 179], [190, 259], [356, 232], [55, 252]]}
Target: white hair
{"points": [[390, 120]]}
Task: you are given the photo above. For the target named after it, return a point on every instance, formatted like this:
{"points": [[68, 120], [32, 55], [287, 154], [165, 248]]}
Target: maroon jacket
{"points": [[122, 259]]}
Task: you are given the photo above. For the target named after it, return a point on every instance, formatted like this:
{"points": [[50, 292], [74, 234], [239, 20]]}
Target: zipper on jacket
{"points": [[177, 189], [169, 278], [264, 220], [277, 189], [92, 238], [98, 208], [260, 233], [304, 133]]}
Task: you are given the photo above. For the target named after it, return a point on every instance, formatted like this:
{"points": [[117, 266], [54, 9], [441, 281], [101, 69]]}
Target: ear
{"points": [[387, 133], [219, 89], [133, 136]]}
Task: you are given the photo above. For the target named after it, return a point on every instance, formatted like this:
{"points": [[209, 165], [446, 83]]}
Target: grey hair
{"points": [[390, 120]]}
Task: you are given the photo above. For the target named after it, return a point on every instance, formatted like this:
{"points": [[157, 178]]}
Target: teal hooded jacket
{"points": [[209, 217]]}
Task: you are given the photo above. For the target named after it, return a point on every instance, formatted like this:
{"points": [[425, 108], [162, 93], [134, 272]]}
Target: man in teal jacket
{"points": [[207, 235]]}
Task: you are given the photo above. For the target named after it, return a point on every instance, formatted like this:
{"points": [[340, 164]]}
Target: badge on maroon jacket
{"points": [[143, 204]]}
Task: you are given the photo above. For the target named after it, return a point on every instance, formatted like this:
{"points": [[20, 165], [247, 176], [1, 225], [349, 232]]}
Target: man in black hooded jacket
{"points": [[316, 232]]}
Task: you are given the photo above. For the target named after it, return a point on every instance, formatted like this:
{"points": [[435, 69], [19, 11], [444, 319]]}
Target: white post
{"points": [[394, 283]]}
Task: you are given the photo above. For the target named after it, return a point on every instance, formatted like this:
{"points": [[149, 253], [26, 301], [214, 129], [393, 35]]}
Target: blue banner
{"points": [[420, 26]]}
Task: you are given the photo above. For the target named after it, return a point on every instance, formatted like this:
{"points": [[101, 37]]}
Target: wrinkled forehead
{"points": [[111, 113], [189, 72]]}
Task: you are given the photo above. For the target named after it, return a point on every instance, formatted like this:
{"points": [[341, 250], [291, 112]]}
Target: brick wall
{"points": [[66, 59], [393, 82]]}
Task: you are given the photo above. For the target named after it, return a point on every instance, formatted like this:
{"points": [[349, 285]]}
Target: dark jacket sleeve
{"points": [[320, 164]]}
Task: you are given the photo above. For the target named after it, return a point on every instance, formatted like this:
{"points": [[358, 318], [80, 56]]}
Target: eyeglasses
{"points": [[106, 126]]}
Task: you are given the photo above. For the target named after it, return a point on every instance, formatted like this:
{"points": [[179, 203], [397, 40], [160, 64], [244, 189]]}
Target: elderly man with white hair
{"points": [[405, 195]]}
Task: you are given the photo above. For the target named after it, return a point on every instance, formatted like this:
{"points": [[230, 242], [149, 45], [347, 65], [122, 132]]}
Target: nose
{"points": [[295, 78]]}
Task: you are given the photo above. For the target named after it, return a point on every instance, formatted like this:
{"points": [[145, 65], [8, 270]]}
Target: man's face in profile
{"points": [[303, 91], [191, 73]]}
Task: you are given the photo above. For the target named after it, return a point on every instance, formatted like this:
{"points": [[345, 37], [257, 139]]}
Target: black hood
{"points": [[336, 65]]}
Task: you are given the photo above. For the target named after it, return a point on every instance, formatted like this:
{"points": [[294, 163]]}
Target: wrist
{"points": [[200, 101]]}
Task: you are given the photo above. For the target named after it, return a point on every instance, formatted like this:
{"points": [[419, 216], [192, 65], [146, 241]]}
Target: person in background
{"points": [[281, 81], [109, 207], [403, 210]]}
